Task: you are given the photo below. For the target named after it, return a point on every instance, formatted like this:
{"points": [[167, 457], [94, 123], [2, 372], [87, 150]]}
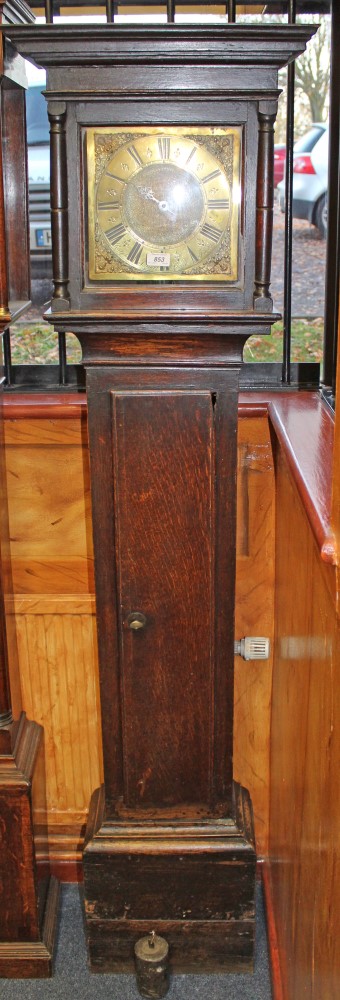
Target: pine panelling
{"points": [[53, 608], [57, 655], [54, 614], [305, 759], [6, 586], [255, 569], [49, 506]]}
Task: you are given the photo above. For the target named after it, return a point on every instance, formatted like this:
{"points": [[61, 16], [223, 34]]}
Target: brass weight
{"points": [[151, 961]]}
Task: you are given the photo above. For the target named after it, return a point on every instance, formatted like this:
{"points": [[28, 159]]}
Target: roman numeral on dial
{"points": [[210, 177], [115, 177], [135, 156], [218, 203], [115, 234], [211, 232], [193, 151], [192, 255], [135, 253], [103, 206], [164, 147]]}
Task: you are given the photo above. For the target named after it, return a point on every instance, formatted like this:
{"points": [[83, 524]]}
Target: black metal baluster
{"points": [[6, 341], [62, 359], [333, 226], [170, 11], [288, 241], [110, 11], [231, 11], [49, 11]]}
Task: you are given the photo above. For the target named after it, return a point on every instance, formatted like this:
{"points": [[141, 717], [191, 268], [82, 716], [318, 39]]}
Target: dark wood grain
{"points": [[59, 202], [163, 494], [234, 45], [191, 882], [169, 886], [16, 191], [14, 232], [163, 450], [196, 947], [5, 693], [28, 908], [4, 310], [5, 579], [33, 959], [220, 400], [163, 461], [264, 205]]}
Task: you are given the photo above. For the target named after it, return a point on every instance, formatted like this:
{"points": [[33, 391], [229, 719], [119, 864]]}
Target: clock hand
{"points": [[148, 194], [162, 205]]}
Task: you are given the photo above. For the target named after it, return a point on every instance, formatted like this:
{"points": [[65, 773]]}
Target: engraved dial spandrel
{"points": [[164, 203]]}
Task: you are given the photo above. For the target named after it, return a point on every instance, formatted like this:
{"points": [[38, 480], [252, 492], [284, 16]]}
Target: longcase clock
{"points": [[162, 197]]}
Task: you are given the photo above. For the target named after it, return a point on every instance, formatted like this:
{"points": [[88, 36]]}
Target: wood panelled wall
{"points": [[304, 847], [54, 613]]}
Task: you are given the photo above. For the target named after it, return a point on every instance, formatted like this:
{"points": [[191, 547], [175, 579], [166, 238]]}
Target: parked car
{"points": [[38, 178], [310, 178], [279, 162]]}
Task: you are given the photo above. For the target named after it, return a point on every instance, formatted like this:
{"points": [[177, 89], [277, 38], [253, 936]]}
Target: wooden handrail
{"points": [[303, 425]]}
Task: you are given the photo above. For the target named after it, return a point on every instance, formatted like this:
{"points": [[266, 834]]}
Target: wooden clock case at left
{"points": [[170, 840], [29, 900]]}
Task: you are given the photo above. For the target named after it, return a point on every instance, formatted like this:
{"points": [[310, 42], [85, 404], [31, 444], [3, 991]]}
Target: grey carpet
{"points": [[72, 979]]}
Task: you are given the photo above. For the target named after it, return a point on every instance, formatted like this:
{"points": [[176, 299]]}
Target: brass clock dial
{"points": [[163, 203]]}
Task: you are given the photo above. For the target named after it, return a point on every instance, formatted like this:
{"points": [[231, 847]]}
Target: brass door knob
{"points": [[136, 620]]}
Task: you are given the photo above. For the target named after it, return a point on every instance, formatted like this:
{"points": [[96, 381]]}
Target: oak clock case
{"points": [[134, 112], [163, 203]]}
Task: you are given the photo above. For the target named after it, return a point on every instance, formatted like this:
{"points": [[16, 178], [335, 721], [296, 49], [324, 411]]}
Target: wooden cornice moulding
{"points": [[126, 45], [15, 12]]}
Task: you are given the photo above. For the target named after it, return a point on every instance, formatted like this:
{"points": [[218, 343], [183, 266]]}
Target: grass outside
{"points": [[37, 343], [306, 344]]}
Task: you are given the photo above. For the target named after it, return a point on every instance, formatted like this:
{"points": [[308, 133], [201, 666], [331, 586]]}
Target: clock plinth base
{"points": [[29, 905], [34, 959], [191, 883]]}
